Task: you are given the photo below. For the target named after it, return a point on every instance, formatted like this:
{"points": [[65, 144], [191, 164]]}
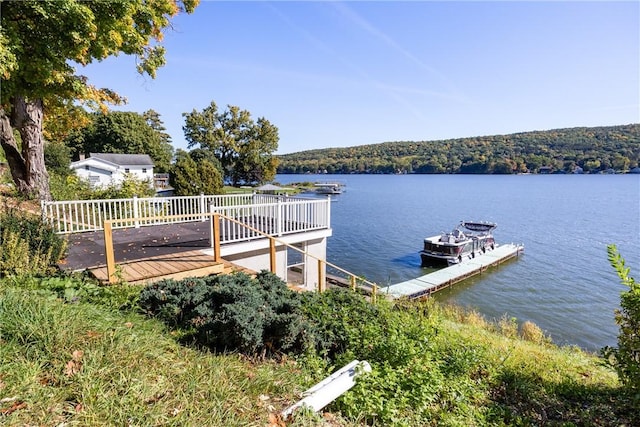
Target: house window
{"points": [[144, 170], [126, 170], [86, 167]]}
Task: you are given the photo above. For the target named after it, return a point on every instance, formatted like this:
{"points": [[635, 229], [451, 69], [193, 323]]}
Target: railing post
{"points": [[203, 208], [328, 224], [374, 294], [136, 211], [353, 283], [108, 250], [280, 219], [272, 254], [322, 284]]}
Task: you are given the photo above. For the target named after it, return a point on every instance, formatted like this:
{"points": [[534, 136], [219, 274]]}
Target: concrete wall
{"points": [[259, 259]]}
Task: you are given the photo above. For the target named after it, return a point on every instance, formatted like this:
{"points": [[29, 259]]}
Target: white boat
{"points": [[465, 241], [329, 187]]}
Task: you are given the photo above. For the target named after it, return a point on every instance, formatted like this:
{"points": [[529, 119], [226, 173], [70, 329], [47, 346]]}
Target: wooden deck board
{"points": [[178, 265]]}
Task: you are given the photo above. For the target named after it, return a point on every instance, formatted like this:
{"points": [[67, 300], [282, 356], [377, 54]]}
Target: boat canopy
{"points": [[478, 226]]}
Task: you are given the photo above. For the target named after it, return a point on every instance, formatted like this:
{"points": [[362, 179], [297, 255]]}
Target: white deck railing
{"points": [[285, 216], [275, 214]]}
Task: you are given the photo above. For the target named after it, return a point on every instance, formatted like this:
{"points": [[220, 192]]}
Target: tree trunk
{"points": [[27, 166]]}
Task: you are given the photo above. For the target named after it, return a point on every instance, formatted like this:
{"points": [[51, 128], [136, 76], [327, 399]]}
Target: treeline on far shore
{"points": [[606, 149]]}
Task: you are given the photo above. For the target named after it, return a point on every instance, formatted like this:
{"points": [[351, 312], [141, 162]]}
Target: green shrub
{"points": [[69, 187], [626, 358], [230, 312], [72, 187], [27, 244], [336, 317]]}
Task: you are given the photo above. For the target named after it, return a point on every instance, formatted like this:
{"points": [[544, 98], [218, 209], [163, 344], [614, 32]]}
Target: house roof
{"points": [[97, 163], [124, 159]]}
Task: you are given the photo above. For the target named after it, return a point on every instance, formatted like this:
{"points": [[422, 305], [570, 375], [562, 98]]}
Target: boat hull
{"points": [[430, 259], [457, 246]]}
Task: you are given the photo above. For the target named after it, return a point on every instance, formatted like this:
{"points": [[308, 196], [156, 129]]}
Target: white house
{"points": [[102, 169]]}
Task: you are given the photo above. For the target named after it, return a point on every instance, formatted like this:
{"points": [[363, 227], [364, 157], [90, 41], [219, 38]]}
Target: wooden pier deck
{"points": [[177, 266], [426, 285]]}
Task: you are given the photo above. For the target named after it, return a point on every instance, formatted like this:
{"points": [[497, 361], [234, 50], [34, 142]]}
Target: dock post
{"points": [[215, 237], [353, 283], [108, 250], [272, 254], [322, 285]]}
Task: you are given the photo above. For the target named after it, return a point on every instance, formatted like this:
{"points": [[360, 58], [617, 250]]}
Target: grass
{"points": [[77, 360], [81, 364]]}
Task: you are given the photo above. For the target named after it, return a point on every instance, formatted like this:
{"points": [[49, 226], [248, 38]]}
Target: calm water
{"points": [[563, 282]]}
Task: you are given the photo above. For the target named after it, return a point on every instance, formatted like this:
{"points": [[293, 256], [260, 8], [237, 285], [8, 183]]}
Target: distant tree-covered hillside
{"points": [[592, 150]]}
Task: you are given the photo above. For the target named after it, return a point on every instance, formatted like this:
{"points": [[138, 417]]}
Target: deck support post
{"points": [[272, 254], [215, 237], [322, 284], [108, 250]]}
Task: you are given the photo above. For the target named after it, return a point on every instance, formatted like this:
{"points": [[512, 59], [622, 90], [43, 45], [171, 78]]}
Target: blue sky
{"points": [[337, 74]]}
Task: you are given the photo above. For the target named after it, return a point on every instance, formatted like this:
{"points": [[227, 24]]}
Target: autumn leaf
{"points": [[16, 406], [75, 364], [275, 420]]}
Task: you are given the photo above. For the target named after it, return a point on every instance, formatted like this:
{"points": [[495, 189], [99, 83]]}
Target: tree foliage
{"points": [[627, 355], [195, 174], [243, 147], [126, 132], [41, 42], [593, 149]]}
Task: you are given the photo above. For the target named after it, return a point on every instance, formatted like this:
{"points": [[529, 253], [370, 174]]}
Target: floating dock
{"points": [[426, 285]]}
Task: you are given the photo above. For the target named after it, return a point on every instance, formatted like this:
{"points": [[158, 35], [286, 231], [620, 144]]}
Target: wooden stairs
{"points": [[176, 266]]}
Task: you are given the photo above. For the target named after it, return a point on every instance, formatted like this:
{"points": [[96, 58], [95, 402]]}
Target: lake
{"points": [[563, 282]]}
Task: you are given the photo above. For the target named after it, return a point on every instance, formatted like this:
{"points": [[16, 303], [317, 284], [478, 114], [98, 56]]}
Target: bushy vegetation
{"points": [[626, 358], [71, 187], [77, 353], [561, 150], [230, 312], [27, 244], [432, 365]]}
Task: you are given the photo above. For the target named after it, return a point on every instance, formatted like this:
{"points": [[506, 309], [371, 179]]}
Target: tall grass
{"points": [[79, 364]]}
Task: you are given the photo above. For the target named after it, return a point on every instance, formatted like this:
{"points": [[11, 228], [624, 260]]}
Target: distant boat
{"points": [[458, 245], [329, 187]]}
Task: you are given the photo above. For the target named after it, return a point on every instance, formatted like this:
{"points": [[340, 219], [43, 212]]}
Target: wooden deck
{"points": [[426, 285], [175, 266]]}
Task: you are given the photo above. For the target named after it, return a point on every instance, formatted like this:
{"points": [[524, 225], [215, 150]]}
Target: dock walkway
{"points": [[426, 285]]}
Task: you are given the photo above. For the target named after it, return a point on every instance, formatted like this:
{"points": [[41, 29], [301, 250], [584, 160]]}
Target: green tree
{"points": [[627, 355], [190, 177], [57, 157], [40, 44], [254, 163], [243, 147], [127, 132], [152, 118]]}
